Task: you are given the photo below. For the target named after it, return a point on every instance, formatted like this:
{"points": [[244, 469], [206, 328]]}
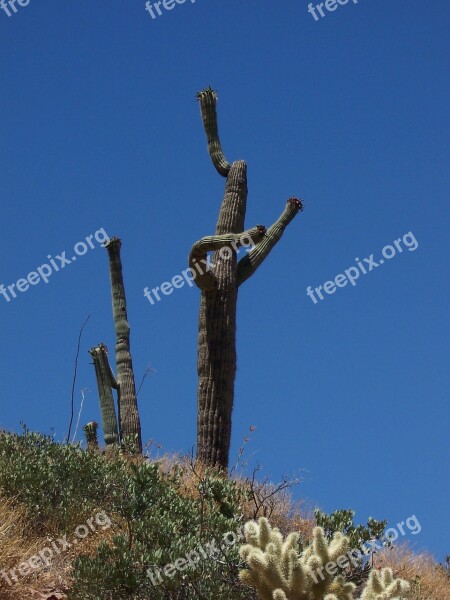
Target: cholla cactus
{"points": [[278, 572], [382, 585]]}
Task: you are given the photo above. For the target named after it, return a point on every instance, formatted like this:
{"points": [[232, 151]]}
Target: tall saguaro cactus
{"points": [[129, 421], [219, 288]]}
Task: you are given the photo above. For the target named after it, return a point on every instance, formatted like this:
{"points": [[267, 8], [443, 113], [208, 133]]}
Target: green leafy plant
{"points": [[341, 521], [60, 484], [164, 526]]}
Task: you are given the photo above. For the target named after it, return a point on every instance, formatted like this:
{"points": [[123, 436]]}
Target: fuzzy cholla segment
{"points": [[383, 586], [278, 572]]}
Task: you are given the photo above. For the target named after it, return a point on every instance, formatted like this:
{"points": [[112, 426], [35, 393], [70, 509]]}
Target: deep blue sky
{"points": [[100, 128]]}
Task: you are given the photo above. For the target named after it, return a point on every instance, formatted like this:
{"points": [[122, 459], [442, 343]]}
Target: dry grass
{"points": [[428, 580], [258, 498], [13, 527], [17, 546], [274, 501]]}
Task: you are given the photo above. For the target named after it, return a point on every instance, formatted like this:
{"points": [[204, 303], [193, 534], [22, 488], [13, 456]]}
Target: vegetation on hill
{"points": [[131, 528]]}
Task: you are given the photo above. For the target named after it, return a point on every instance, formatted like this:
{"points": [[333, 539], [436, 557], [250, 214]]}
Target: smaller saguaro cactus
{"points": [[90, 432], [129, 421], [277, 571], [106, 382], [125, 428]]}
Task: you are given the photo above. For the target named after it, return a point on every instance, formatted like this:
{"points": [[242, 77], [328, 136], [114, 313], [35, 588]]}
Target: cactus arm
{"points": [[206, 279], [107, 408], [249, 263], [208, 99], [129, 424]]}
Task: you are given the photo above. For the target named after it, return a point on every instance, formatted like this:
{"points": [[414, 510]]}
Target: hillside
{"points": [[75, 524]]}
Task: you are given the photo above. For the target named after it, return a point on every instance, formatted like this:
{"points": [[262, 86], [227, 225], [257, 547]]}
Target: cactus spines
{"points": [[129, 421], [90, 432], [216, 364], [277, 571], [106, 382], [382, 584]]}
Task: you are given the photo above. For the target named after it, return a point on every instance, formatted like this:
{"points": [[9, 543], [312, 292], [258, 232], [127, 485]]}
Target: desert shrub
{"points": [[157, 517], [341, 521], [173, 546], [59, 484]]}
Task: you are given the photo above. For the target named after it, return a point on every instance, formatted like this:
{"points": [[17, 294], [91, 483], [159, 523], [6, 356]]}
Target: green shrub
{"points": [[59, 484], [167, 527], [341, 521], [156, 517]]}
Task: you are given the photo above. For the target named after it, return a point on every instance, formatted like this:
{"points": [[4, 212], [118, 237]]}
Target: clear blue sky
{"points": [[100, 128]]}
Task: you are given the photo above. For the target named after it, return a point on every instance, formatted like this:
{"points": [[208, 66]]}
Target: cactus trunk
{"points": [[216, 365], [129, 421]]}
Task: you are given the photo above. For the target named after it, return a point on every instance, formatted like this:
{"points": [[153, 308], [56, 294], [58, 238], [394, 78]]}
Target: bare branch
{"points": [[75, 377]]}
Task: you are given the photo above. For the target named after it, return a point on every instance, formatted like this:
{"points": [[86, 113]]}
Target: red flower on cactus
{"points": [[297, 202]]}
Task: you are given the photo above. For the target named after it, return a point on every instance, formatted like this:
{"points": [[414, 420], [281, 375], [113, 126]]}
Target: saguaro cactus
{"points": [[90, 432], [219, 287], [106, 382], [129, 422]]}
